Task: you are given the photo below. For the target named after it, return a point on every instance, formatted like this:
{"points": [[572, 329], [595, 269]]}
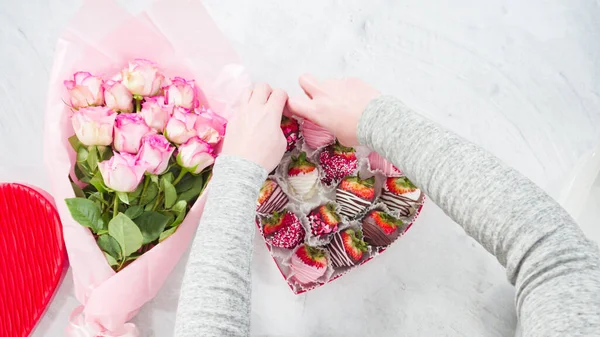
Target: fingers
{"points": [[310, 85], [302, 107], [246, 96], [261, 93], [277, 101]]}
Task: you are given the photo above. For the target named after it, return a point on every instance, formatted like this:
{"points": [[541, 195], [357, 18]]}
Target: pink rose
{"points": [[209, 126], [155, 153], [181, 126], [85, 90], [181, 93], [195, 155], [142, 78], [123, 172], [155, 113], [94, 125], [129, 130], [117, 97]]}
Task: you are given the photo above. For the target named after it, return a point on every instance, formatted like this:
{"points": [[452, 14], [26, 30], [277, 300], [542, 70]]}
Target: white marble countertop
{"points": [[520, 79]]}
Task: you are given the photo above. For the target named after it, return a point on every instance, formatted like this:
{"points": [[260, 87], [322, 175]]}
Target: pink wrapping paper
{"points": [[181, 37]]}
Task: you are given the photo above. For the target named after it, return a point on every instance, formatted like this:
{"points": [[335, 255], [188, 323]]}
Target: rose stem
{"points": [[181, 174], [116, 206]]}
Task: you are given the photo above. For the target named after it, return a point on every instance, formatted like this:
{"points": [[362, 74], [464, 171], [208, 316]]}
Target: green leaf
{"points": [[149, 207], [180, 209], [154, 178], [109, 245], [151, 224], [134, 211], [187, 182], [106, 217], [127, 234], [132, 258], [168, 177], [82, 155], [164, 235], [123, 197], [98, 182], [95, 196], [149, 195], [78, 191], [194, 191], [85, 212], [170, 216], [170, 193], [80, 174], [105, 153], [75, 143], [92, 158], [111, 260]]}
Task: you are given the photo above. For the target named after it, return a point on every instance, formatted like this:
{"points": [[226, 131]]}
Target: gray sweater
{"points": [[554, 267]]}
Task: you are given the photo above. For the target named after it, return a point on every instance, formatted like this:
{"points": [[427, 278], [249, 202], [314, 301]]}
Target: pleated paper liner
{"points": [[32, 257]]}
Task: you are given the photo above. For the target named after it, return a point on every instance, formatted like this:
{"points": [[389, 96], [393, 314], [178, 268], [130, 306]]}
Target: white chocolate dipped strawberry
{"points": [[303, 176]]}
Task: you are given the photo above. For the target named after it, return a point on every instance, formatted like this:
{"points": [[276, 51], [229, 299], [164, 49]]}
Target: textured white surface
{"points": [[519, 78]]}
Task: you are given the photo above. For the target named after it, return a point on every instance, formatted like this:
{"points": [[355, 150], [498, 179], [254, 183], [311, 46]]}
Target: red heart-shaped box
{"points": [[32, 257]]}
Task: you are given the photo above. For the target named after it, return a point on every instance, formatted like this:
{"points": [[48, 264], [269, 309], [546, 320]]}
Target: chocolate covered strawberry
{"points": [[400, 195], [380, 228], [324, 220], [308, 264], [291, 131], [303, 176], [347, 248], [271, 198], [283, 230], [337, 162], [354, 195]]}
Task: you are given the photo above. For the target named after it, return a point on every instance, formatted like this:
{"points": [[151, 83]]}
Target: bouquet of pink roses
{"points": [[129, 146], [135, 191]]}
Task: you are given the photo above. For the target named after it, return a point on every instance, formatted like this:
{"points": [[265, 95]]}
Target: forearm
{"points": [[215, 294], [554, 267]]}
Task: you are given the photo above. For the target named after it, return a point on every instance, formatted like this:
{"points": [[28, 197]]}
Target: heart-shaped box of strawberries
{"points": [[328, 209]]}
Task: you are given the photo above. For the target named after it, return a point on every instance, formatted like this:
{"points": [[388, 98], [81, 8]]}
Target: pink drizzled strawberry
{"points": [[337, 162], [291, 131], [324, 219]]}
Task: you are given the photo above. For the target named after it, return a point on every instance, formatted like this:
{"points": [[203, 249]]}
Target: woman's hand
{"points": [[255, 132], [336, 105]]}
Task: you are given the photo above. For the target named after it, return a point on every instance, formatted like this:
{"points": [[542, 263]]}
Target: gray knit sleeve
{"points": [[555, 268], [215, 294]]}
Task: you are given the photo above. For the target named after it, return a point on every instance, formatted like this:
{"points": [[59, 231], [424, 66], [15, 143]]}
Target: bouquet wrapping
{"points": [[102, 38]]}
